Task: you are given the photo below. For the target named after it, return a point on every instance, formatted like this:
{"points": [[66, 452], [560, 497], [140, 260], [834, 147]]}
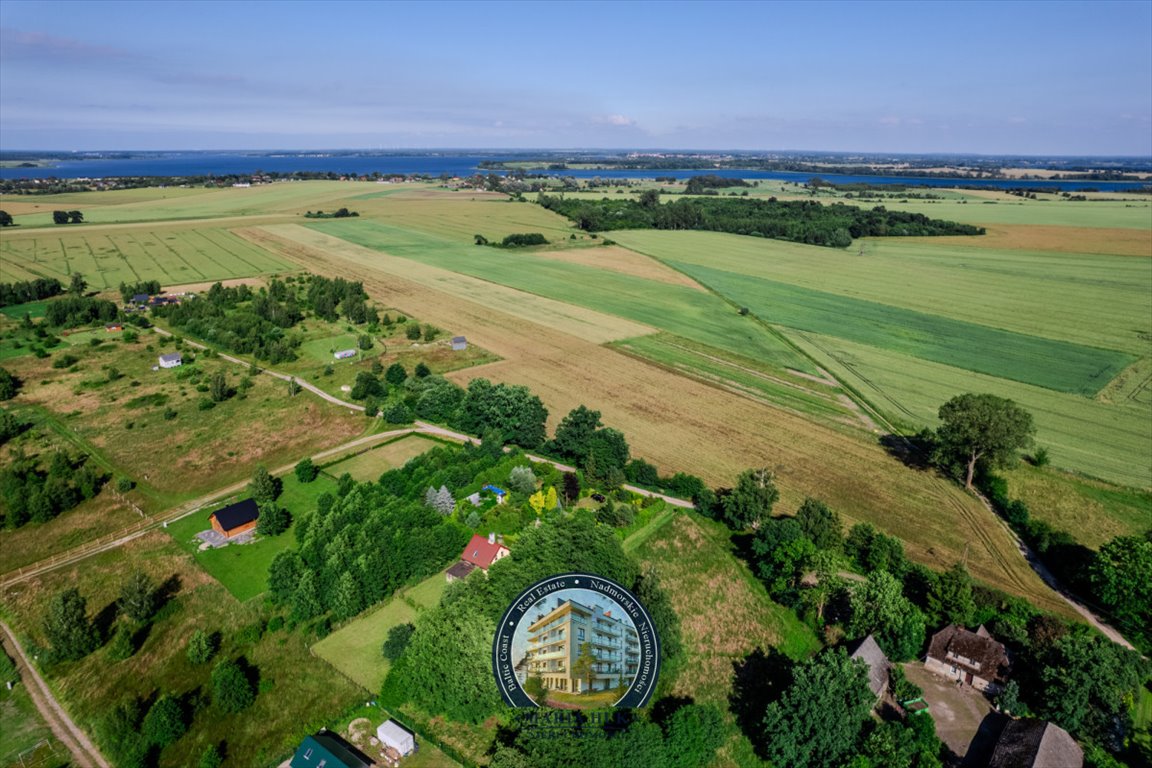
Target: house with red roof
{"points": [[479, 553]]}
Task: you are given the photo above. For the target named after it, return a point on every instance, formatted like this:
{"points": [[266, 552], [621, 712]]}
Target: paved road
{"points": [[84, 752]]}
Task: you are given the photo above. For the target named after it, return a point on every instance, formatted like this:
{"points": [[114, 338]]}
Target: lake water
{"points": [[434, 164]]}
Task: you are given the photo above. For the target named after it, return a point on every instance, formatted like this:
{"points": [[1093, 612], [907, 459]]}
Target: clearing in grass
{"points": [[369, 465]]}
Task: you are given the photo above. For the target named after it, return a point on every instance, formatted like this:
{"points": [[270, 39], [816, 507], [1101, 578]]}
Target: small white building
{"points": [[171, 360], [459, 343], [344, 354], [396, 736]]}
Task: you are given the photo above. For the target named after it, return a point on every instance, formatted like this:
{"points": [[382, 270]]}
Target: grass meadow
{"points": [[298, 692], [25, 739], [725, 614], [369, 465]]}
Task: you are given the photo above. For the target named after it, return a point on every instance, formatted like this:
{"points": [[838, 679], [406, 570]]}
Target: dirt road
{"points": [[84, 752]]}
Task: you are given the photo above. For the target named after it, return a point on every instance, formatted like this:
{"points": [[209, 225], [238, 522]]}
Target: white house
{"points": [[396, 736], [344, 354], [171, 360]]}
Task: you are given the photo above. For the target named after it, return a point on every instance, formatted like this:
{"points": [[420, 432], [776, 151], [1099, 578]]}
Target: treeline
{"points": [[142, 287], [29, 290], [31, 493], [357, 548], [699, 185], [74, 311], [340, 213], [507, 412], [803, 221]]}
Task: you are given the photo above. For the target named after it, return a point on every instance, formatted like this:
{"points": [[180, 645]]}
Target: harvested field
{"points": [[686, 425], [622, 260], [368, 466], [313, 249], [1116, 241]]}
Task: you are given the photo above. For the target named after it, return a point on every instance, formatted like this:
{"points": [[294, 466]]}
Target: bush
{"points": [[306, 471], [413, 332], [398, 414], [1041, 458], [164, 722], [202, 647], [232, 691], [124, 485]]}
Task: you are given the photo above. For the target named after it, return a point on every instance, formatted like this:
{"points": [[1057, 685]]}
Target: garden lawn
{"points": [[355, 648]]}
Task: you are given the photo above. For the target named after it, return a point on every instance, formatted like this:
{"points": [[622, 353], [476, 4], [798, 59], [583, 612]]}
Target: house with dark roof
{"points": [[235, 519], [869, 652], [327, 750], [974, 658], [171, 360], [480, 553], [1035, 744]]}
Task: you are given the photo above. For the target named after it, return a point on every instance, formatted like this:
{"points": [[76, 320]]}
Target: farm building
{"points": [[344, 354], [395, 737], [459, 343], [869, 652], [140, 298], [110, 327], [480, 553], [1035, 744], [327, 750], [235, 519], [974, 658], [171, 360]]}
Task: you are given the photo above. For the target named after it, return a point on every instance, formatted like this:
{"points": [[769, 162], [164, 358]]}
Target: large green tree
{"points": [[981, 430], [574, 432], [751, 501], [820, 524], [1121, 576], [67, 628], [139, 598], [9, 384], [263, 488], [164, 723], [818, 719], [950, 598], [879, 608]]}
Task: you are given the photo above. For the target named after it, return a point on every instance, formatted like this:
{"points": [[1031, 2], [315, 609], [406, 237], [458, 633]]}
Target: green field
{"points": [[742, 375], [354, 649], [1056, 365], [1094, 300], [108, 258], [678, 309], [34, 309], [368, 466], [1107, 441], [25, 739], [243, 568]]}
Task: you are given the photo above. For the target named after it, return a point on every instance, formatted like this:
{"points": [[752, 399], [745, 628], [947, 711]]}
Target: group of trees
{"points": [[32, 492], [339, 213], [602, 452], [700, 185], [139, 288], [357, 548], [74, 311], [804, 221], [12, 294], [67, 217], [511, 411]]}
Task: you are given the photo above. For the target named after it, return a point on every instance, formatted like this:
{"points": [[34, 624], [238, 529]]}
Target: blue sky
{"points": [[999, 77]]}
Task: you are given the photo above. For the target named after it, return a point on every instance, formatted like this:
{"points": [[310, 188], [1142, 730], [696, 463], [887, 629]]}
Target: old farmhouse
{"points": [[869, 652], [235, 519], [974, 658]]}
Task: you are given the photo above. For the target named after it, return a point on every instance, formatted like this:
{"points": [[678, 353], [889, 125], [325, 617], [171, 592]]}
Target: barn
{"points": [[235, 519]]}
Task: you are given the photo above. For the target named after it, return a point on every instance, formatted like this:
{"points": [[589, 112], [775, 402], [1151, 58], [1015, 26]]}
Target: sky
{"points": [[1029, 78]]}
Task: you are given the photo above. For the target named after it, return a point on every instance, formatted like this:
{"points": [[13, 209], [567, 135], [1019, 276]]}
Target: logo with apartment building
{"points": [[576, 641]]}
